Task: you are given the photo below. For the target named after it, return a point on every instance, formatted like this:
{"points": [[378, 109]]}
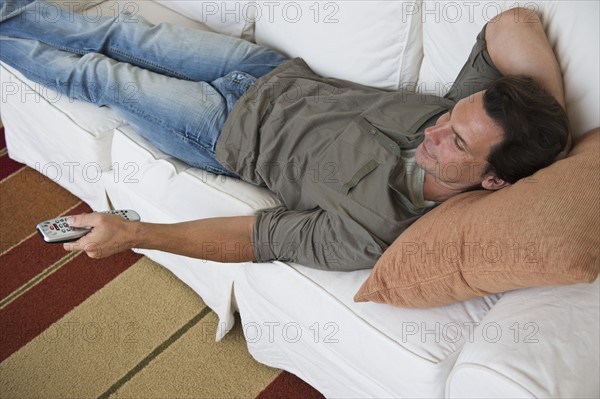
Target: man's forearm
{"points": [[518, 45], [227, 239]]}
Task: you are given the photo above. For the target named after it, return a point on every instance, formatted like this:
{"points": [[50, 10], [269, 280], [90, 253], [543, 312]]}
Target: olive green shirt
{"points": [[336, 155]]}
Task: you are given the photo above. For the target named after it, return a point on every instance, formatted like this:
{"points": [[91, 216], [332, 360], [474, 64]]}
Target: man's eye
{"points": [[456, 143]]}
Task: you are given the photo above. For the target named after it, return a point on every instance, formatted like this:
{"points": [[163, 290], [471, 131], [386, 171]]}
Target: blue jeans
{"points": [[175, 86]]}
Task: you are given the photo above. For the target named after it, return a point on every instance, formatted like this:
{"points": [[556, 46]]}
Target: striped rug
{"points": [[73, 327]]}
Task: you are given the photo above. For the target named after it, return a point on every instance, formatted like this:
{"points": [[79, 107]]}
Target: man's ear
{"points": [[493, 182]]}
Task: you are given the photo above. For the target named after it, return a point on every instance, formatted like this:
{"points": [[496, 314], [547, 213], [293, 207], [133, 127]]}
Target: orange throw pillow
{"points": [[542, 230]]}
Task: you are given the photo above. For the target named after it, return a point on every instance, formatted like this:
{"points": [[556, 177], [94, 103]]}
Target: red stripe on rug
{"points": [[30, 258], [2, 139], [7, 165], [288, 386], [35, 310]]}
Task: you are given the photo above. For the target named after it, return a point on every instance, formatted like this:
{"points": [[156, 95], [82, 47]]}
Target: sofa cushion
{"points": [[233, 18], [377, 43], [351, 350], [450, 28], [535, 343], [543, 230]]}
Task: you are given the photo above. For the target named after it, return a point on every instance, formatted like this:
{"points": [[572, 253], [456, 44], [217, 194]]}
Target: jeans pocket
{"points": [[233, 86]]}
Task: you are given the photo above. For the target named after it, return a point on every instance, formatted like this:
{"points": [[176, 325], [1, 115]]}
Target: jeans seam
{"points": [[32, 72], [149, 63], [185, 138], [158, 121], [69, 49]]}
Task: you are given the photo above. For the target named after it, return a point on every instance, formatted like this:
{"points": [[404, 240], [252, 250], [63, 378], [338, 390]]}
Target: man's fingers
{"points": [[108, 235], [75, 245], [71, 246], [83, 220], [90, 248]]}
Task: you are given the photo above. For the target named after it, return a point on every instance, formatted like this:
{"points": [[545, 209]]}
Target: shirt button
{"points": [[373, 131], [393, 146]]}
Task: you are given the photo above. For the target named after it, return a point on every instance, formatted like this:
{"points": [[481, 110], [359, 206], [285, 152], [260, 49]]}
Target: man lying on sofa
{"points": [[353, 166]]}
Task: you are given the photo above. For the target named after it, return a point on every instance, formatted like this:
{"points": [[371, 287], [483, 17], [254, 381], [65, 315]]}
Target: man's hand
{"points": [[110, 234]]}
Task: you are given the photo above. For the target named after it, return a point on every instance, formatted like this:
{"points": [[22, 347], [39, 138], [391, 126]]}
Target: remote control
{"points": [[57, 231]]}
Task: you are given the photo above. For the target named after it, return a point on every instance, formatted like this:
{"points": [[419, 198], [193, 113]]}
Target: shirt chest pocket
{"points": [[403, 122], [355, 154]]}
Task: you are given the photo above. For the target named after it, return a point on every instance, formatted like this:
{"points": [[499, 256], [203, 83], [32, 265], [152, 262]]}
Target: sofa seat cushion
{"points": [[305, 321], [68, 141], [96, 122]]}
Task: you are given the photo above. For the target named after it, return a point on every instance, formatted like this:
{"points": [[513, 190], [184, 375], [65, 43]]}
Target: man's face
{"points": [[455, 150]]}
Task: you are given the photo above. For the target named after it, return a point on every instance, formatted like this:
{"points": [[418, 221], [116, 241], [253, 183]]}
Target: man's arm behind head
{"points": [[518, 45]]}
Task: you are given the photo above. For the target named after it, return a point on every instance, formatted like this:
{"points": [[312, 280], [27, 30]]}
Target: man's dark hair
{"points": [[535, 127]]}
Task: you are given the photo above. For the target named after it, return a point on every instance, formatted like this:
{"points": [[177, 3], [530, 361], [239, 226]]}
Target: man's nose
{"points": [[436, 133]]}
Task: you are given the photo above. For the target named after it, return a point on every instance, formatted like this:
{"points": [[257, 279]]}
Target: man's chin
{"points": [[421, 157], [474, 187]]}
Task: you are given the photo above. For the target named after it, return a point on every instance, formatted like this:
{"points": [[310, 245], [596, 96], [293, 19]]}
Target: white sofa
{"points": [[540, 342]]}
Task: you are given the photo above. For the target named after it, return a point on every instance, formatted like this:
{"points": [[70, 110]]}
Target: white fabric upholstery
{"points": [[361, 349], [376, 43], [75, 154], [155, 12], [542, 329], [230, 17]]}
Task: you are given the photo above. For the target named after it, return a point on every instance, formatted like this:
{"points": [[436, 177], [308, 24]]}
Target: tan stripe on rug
{"points": [[93, 346], [196, 366]]}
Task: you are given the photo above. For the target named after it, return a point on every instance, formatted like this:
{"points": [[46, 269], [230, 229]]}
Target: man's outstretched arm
{"points": [[227, 239]]}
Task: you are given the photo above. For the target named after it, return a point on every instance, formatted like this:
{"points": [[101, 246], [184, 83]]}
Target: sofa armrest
{"points": [[539, 342]]}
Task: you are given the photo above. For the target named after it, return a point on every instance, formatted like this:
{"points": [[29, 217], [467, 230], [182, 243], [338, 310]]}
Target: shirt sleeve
{"points": [[314, 238], [476, 74]]}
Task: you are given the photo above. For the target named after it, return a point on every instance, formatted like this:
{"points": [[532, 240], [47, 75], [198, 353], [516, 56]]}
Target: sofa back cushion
{"points": [[377, 43], [229, 17], [449, 30]]}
